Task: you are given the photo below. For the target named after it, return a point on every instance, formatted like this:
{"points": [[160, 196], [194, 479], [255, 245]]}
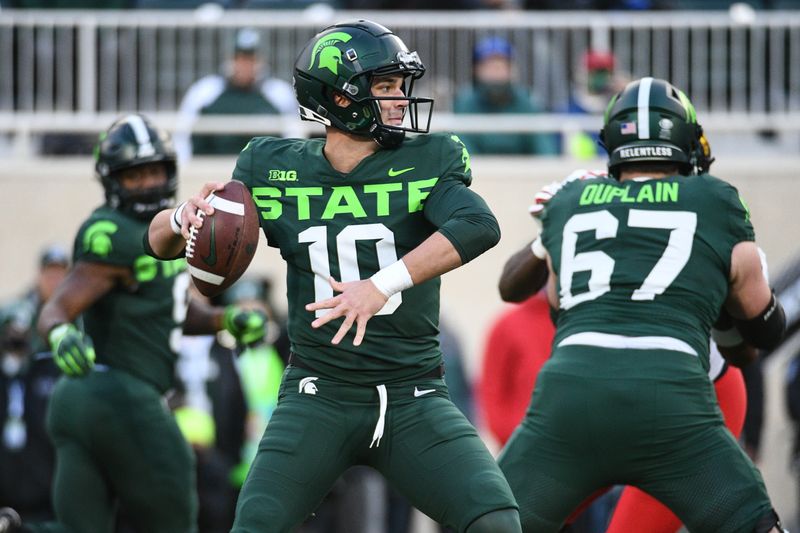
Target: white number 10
{"points": [[346, 240], [600, 265]]}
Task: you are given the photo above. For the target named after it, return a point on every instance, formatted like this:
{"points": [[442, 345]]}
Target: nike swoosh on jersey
{"points": [[418, 393], [392, 172]]}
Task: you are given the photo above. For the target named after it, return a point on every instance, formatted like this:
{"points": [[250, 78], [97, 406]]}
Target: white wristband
{"points": [[727, 338], [538, 249], [175, 219], [392, 279]]}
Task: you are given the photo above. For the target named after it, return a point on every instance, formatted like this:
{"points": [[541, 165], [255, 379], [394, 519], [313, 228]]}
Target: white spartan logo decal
{"points": [[307, 385]]}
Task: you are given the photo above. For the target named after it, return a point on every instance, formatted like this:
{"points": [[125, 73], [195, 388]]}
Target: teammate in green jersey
{"points": [[116, 442], [642, 263], [367, 221]]}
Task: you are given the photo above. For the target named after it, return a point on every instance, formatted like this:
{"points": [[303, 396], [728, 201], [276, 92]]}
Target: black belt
{"points": [[295, 361]]}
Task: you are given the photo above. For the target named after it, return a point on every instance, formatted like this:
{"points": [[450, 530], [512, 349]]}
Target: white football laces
{"points": [[190, 242]]}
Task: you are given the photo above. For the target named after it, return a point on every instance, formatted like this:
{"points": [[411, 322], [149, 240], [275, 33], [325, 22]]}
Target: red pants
{"points": [[637, 511]]}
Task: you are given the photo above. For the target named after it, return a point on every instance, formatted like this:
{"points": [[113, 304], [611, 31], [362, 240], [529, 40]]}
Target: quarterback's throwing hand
{"points": [[197, 203], [357, 303], [72, 350]]}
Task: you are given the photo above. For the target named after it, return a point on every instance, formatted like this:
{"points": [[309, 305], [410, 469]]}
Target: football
{"points": [[219, 252]]}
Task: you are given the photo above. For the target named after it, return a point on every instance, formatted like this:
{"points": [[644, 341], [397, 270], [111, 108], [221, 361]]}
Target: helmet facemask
{"points": [[389, 135], [142, 203]]}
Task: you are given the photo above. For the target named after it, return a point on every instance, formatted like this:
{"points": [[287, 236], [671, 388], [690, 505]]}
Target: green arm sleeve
{"points": [[463, 218]]}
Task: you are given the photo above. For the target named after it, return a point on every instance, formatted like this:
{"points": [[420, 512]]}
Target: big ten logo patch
{"points": [[282, 175]]}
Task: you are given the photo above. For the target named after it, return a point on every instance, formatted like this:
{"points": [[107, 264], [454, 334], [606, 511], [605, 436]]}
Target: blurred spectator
{"points": [[260, 367], [241, 91], [516, 348], [53, 267], [496, 91], [787, 288], [594, 84], [27, 458], [208, 383], [226, 396], [27, 377], [215, 495], [455, 374]]}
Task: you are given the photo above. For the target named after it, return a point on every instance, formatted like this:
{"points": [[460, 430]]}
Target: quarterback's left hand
{"points": [[247, 327], [548, 191], [357, 303]]}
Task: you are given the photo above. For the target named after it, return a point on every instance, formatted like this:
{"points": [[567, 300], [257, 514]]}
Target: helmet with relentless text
{"points": [[652, 121]]}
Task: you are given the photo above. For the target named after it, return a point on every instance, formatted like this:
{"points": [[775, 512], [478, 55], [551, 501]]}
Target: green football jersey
{"points": [[135, 328], [643, 258], [349, 226]]}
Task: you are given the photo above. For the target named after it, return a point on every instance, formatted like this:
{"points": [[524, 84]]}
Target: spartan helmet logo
{"points": [[330, 57], [307, 385]]}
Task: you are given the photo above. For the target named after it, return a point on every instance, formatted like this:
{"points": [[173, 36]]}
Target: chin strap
{"points": [[387, 138]]}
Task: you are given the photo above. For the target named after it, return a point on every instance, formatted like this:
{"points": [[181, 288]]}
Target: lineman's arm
{"points": [[72, 350], [166, 237], [83, 286], [757, 314], [524, 274], [202, 318], [248, 326]]}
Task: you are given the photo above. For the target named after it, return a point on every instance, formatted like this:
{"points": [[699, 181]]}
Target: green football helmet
{"points": [[344, 58], [129, 142], [652, 121]]}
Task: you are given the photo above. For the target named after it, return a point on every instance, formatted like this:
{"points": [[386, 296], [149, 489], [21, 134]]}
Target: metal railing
{"points": [[73, 70]]}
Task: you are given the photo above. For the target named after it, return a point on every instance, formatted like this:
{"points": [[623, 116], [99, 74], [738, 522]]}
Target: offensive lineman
{"points": [[524, 274], [642, 264], [376, 218]]}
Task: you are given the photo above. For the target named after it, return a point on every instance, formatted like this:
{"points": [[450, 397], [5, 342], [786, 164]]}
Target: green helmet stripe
{"points": [[643, 101], [691, 114]]}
